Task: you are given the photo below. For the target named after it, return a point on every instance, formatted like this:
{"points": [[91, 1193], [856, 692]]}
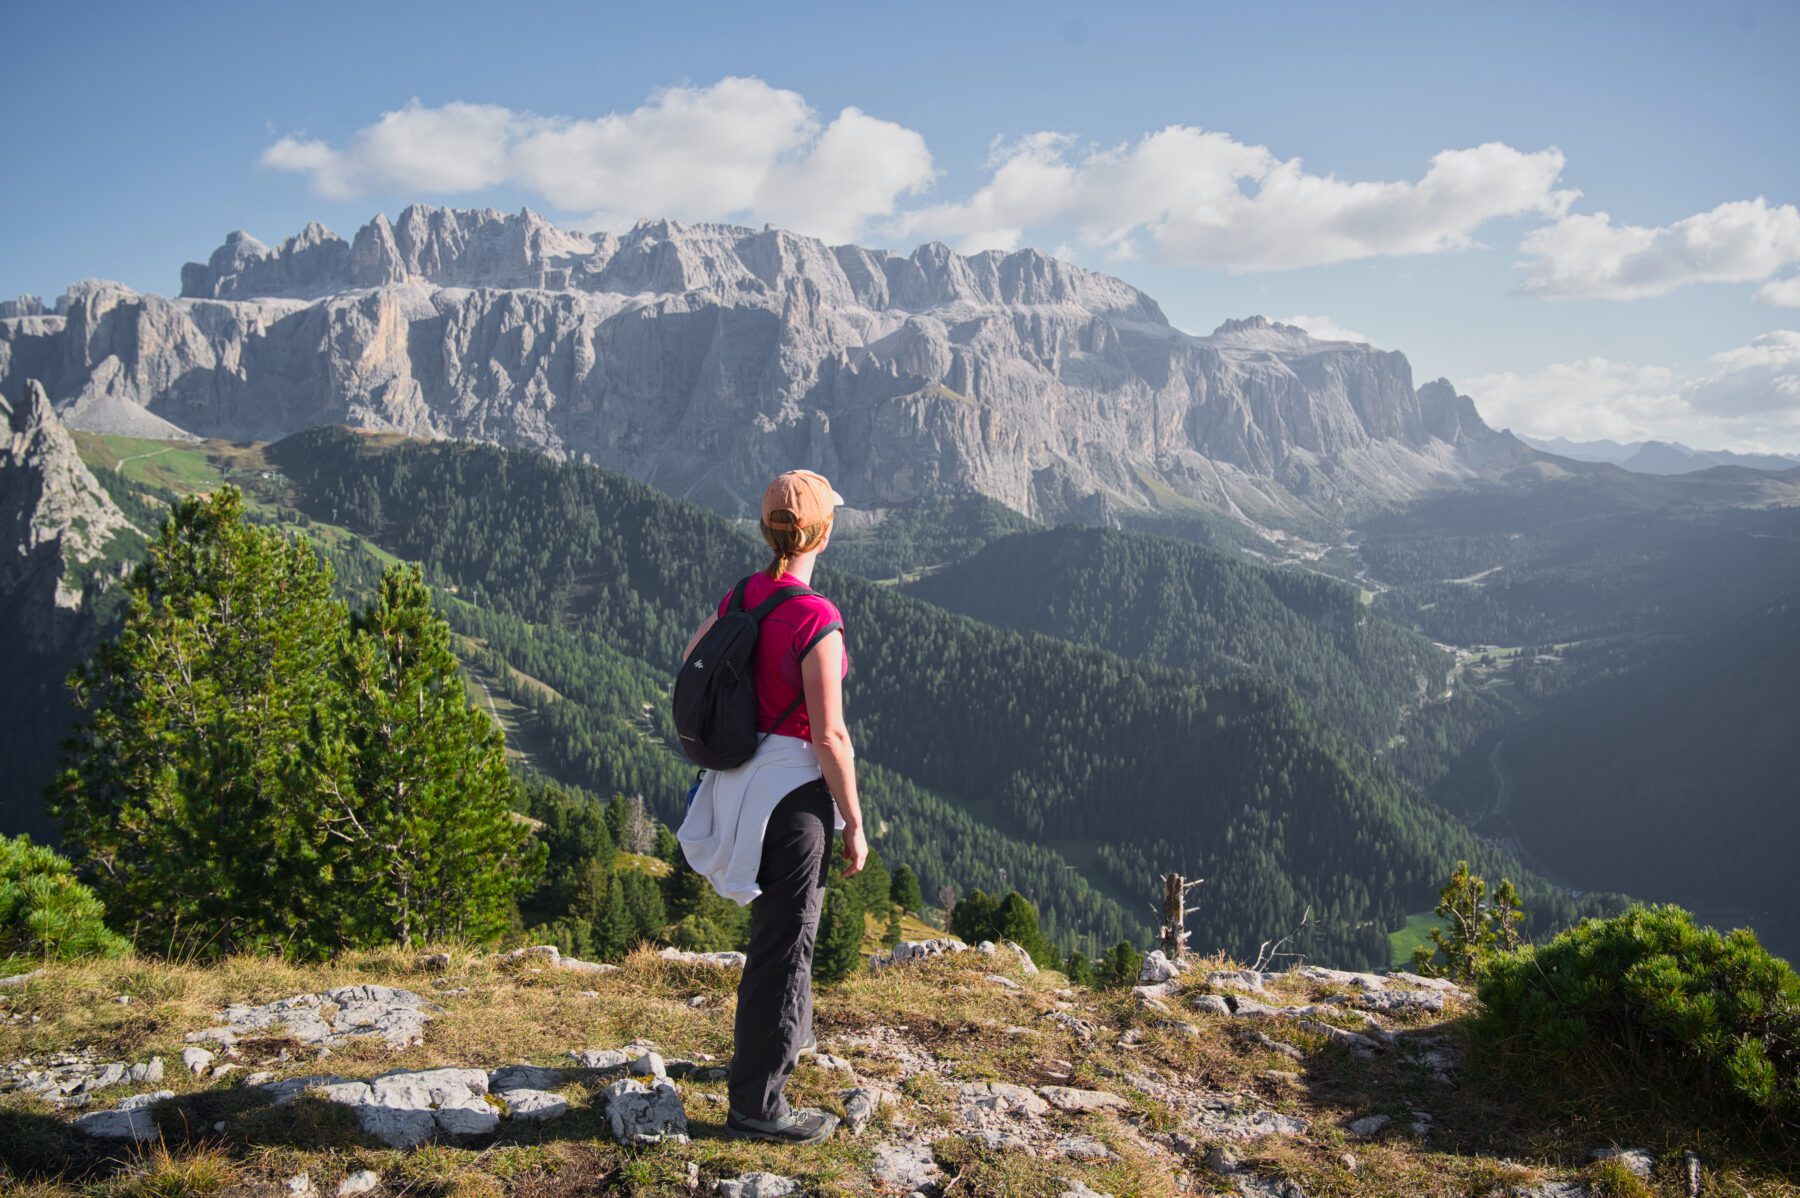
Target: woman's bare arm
{"points": [[695, 639], [821, 675]]}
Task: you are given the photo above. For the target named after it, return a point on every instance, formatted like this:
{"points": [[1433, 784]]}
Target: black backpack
{"points": [[715, 697]]}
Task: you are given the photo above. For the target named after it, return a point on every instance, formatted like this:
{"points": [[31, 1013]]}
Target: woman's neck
{"points": [[802, 567]]}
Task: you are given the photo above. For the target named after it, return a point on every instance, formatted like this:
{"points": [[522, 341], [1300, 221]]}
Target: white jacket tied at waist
{"points": [[722, 835]]}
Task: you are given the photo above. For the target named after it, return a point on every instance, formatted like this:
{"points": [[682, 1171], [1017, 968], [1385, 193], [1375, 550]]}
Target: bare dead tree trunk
{"points": [[1174, 915]]}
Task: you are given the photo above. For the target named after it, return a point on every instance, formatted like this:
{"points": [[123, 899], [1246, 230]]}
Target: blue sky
{"points": [[1228, 159]]}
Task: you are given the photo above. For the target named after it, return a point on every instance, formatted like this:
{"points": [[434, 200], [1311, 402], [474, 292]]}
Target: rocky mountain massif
{"points": [[59, 524], [955, 1070], [705, 357]]}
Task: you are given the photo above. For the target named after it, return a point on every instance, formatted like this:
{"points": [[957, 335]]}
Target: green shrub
{"points": [[1649, 987], [1473, 927], [45, 914]]}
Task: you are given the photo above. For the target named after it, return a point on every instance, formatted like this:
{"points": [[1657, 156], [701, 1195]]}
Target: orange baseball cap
{"points": [[804, 493]]}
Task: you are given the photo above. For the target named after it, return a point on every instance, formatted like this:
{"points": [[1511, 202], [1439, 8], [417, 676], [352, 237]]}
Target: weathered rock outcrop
{"points": [[704, 357], [57, 523]]}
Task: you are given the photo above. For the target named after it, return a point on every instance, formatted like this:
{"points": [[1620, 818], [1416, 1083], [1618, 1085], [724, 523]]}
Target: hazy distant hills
{"points": [[703, 358], [1660, 457]]}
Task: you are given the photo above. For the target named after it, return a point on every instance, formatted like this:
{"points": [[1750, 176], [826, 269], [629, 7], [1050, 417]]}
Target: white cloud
{"points": [[1781, 293], [1202, 198], [1587, 255], [739, 149], [1750, 402], [1584, 400], [1324, 328], [1758, 381]]}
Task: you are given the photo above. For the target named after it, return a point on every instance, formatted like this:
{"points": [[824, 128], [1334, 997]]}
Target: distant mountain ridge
{"points": [[705, 357], [1660, 457]]}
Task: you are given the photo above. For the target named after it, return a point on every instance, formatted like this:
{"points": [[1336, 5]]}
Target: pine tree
{"points": [[428, 843], [894, 933], [1017, 920], [1119, 967], [1474, 928], [618, 815], [613, 932], [180, 795], [667, 847], [872, 883], [45, 914], [643, 905], [686, 893], [904, 890], [972, 919], [838, 950], [1080, 970]]}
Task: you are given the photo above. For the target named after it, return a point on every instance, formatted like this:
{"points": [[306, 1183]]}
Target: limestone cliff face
{"points": [[706, 357], [54, 520]]}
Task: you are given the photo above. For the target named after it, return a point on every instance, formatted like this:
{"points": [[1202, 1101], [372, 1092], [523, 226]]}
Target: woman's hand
{"points": [[856, 849]]}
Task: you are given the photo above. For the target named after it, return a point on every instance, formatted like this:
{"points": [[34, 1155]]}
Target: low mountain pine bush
{"points": [[1686, 1003], [45, 914]]}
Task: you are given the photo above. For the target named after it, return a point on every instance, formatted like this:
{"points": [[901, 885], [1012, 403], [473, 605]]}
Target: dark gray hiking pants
{"points": [[774, 1005]]}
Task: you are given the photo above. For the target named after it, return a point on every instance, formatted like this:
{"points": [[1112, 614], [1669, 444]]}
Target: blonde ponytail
{"points": [[789, 543]]}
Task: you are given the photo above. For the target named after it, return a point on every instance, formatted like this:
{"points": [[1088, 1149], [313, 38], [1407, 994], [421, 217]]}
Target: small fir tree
{"points": [[904, 890], [872, 883], [1016, 919], [972, 919], [838, 950], [1475, 928], [894, 933], [1080, 970], [1119, 966], [613, 931], [643, 906], [428, 843]]}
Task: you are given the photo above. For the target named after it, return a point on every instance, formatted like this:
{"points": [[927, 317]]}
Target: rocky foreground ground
{"points": [[957, 1071]]}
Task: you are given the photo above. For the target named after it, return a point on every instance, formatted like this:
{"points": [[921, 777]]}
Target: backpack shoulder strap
{"points": [[736, 602], [834, 626], [777, 599]]}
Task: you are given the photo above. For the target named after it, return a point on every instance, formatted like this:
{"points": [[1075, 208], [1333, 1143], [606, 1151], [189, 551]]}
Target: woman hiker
{"points": [[762, 832]]}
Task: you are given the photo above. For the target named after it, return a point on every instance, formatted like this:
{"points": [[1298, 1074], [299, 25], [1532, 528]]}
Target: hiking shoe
{"points": [[809, 1048], [807, 1125]]}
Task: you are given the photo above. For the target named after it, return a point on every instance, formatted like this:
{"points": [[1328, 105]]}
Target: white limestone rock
{"points": [[725, 960], [1068, 1098], [359, 1182], [756, 1185], [904, 1164], [1001, 1097], [917, 950], [640, 1114], [336, 1017], [533, 1106], [524, 1077], [1639, 1162], [1157, 967]]}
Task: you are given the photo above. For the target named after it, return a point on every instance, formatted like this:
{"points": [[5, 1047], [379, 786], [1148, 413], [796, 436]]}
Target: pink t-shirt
{"points": [[775, 664]]}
